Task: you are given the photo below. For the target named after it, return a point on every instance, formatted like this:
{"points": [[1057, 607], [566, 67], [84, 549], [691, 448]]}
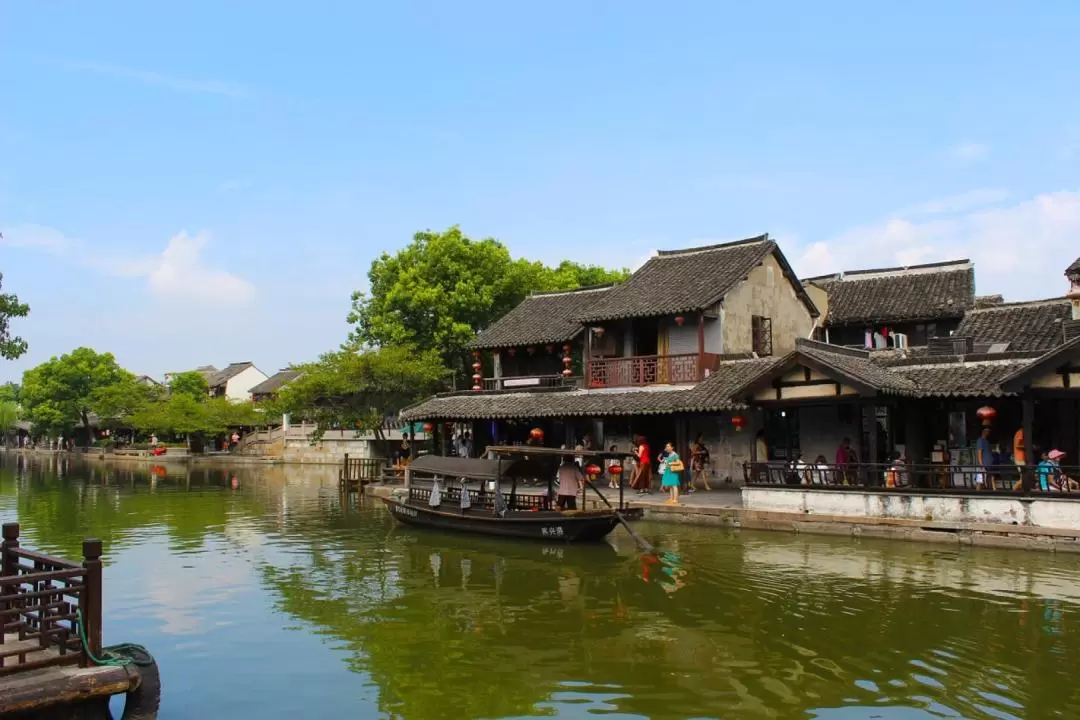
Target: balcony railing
{"points": [[530, 382], [649, 370]]}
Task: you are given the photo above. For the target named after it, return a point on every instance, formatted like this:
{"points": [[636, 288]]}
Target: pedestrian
{"points": [[671, 467], [699, 463], [984, 458], [644, 467], [571, 480]]}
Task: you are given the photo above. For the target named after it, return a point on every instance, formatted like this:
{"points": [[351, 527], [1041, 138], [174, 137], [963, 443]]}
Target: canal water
{"points": [[261, 596]]}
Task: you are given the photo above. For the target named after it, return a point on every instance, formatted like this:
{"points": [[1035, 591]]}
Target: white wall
{"points": [[1058, 513], [238, 387]]}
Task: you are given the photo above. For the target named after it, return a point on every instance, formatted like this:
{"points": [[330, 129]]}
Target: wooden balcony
{"points": [[649, 370], [530, 382]]}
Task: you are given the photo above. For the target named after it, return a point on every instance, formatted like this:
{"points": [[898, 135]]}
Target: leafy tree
{"points": [[358, 388], [60, 393], [441, 289], [117, 402], [9, 415], [11, 392], [192, 383], [11, 346]]}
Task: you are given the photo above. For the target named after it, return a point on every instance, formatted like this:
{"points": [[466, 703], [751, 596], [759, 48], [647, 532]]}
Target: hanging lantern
{"points": [[532, 349], [476, 354], [986, 414], [567, 372], [679, 320], [477, 388], [477, 377], [429, 428], [512, 352], [550, 348], [537, 434], [614, 469], [598, 332], [567, 348], [592, 470], [477, 366], [738, 421]]}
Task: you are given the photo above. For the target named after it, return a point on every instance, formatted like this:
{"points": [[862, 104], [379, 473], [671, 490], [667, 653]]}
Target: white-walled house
{"points": [[236, 381]]}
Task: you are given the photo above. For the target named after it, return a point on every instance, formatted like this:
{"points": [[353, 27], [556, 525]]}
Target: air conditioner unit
{"points": [[900, 341]]}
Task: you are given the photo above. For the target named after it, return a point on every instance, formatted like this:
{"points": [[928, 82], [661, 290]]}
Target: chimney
{"points": [[1073, 273]]}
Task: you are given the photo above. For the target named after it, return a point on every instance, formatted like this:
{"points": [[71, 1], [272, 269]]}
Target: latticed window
{"points": [[761, 332]]}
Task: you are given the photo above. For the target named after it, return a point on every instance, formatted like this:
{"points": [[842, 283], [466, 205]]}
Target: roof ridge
{"points": [[571, 291], [1021, 303], [709, 248], [874, 273], [801, 343]]}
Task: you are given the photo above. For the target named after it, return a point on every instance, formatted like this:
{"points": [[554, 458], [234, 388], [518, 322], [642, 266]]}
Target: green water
{"points": [[261, 597]]}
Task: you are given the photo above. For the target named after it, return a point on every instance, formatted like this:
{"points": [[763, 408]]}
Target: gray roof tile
{"points": [[541, 318], [275, 382], [1025, 326], [923, 292]]}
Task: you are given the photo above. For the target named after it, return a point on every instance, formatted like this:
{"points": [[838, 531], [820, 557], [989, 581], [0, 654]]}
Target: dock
{"points": [[52, 663]]}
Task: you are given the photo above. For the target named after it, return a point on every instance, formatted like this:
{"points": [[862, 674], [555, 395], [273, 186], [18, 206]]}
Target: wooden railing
{"points": [[42, 601], [362, 469], [1007, 479], [650, 370], [482, 499]]}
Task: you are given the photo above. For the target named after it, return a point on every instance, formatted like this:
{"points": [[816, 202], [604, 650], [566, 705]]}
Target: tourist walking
{"points": [[699, 463], [671, 468], [643, 474]]}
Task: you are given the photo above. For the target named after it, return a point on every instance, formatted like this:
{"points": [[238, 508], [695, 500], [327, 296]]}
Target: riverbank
{"points": [[725, 508]]}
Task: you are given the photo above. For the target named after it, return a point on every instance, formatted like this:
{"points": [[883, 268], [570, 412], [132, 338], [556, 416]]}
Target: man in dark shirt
{"points": [[984, 458]]}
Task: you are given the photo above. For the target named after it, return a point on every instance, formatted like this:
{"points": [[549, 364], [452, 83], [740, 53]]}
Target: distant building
{"points": [[236, 381], [269, 388]]}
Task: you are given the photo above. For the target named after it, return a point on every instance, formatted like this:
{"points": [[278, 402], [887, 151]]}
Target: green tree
{"points": [[9, 415], [358, 388], [62, 392], [115, 403], [443, 288], [11, 346], [192, 383], [10, 392]]}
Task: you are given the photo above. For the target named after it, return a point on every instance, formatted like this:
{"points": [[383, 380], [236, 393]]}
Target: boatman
{"points": [[571, 480]]}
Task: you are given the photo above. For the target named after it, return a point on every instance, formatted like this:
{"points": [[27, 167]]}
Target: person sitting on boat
{"points": [[571, 480]]}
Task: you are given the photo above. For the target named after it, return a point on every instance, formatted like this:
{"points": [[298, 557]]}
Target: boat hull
{"points": [[547, 526]]}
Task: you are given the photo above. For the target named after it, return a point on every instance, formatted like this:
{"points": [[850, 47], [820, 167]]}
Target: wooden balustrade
{"points": [[42, 601], [650, 370]]}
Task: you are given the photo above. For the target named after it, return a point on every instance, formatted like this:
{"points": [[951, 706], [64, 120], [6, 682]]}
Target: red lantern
{"points": [[738, 421], [615, 469], [567, 372], [592, 470], [532, 349], [986, 414], [512, 352], [477, 388], [429, 428], [537, 434], [567, 348], [550, 348], [477, 377], [679, 320], [477, 366], [567, 360], [476, 354]]}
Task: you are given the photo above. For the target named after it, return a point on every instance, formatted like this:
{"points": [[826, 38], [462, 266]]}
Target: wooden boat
{"points": [[451, 504]]}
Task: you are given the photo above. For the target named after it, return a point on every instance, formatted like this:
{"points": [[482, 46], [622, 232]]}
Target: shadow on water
{"points": [[260, 594]]}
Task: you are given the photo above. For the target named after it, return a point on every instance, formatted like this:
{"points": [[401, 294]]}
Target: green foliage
{"points": [[117, 402], [357, 388], [441, 289], [9, 415], [11, 346], [11, 392], [182, 414], [62, 392], [192, 383]]}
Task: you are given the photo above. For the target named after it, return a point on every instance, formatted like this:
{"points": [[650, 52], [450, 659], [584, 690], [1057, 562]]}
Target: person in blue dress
{"points": [[671, 466]]}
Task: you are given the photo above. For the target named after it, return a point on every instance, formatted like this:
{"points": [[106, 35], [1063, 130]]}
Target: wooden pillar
{"points": [[11, 542], [90, 600], [701, 346], [1027, 414]]}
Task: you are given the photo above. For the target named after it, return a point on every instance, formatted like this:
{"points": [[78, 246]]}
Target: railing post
{"points": [[345, 474], [90, 601], [11, 542]]}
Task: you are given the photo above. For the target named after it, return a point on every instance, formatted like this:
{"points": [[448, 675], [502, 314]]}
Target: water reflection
{"points": [[258, 578]]}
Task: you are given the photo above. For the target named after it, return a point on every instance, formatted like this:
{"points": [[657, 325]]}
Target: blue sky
{"points": [[206, 182]]}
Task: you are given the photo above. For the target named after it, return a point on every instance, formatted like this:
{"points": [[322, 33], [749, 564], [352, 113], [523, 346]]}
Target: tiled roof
{"points": [[541, 318], [953, 378], [921, 292], [858, 366], [275, 382], [230, 371], [710, 395], [1025, 326], [677, 281], [1074, 268], [1047, 362]]}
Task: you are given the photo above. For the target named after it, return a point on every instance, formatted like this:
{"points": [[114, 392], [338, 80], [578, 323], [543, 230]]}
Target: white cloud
{"points": [[179, 272], [147, 77], [1020, 250], [969, 152], [958, 203]]}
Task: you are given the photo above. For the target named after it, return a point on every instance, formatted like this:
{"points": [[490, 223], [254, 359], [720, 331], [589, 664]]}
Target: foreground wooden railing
{"points": [[42, 602], [953, 478], [649, 370], [362, 469]]}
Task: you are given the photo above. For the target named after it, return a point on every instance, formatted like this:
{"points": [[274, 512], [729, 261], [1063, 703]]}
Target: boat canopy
{"points": [[477, 468], [531, 451]]}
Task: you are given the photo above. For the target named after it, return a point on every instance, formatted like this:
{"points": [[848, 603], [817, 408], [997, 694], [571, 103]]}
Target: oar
{"points": [[637, 538]]}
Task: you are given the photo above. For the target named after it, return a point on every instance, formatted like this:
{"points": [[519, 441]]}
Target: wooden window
{"points": [[761, 335]]}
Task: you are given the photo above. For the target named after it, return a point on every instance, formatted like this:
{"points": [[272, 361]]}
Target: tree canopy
{"points": [[358, 387], [444, 287], [191, 383], [184, 414], [11, 346], [62, 392], [9, 415]]}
